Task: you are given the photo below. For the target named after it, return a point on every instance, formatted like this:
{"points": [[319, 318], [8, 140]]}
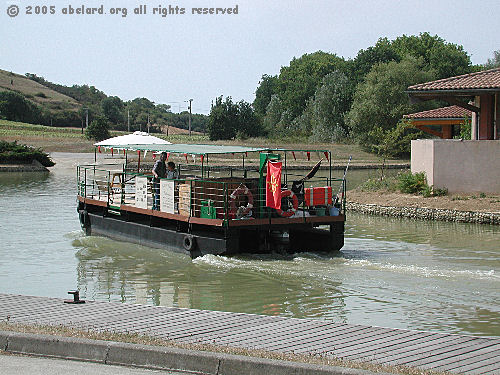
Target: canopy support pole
{"points": [[202, 171], [330, 184], [286, 172]]}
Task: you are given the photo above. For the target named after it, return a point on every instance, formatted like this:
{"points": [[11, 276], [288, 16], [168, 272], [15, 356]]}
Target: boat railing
{"points": [[222, 197]]}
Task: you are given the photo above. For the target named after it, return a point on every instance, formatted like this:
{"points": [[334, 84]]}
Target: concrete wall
{"points": [[459, 166]]}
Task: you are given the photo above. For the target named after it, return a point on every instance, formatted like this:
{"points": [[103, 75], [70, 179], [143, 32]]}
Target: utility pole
{"points": [[86, 118], [128, 120], [148, 123], [190, 106]]}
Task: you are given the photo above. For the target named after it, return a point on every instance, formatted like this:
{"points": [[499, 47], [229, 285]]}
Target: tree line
{"points": [[324, 97], [119, 114]]}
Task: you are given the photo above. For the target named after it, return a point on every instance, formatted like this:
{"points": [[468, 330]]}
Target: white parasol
{"points": [[136, 138]]}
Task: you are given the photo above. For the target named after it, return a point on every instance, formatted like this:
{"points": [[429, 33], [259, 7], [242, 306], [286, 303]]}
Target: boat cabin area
{"points": [[219, 194], [223, 199]]}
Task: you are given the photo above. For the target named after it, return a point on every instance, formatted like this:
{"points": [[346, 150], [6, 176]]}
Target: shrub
{"points": [[98, 129], [427, 191], [417, 184], [412, 183], [437, 192], [375, 184], [15, 107], [12, 152]]}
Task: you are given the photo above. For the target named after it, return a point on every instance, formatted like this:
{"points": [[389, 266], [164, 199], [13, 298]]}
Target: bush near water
{"points": [[12, 152], [407, 183]]}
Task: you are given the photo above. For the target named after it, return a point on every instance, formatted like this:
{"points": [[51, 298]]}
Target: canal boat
{"points": [[262, 204]]}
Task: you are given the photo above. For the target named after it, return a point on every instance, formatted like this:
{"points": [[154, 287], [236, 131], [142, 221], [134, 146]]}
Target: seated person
{"points": [[172, 173]]}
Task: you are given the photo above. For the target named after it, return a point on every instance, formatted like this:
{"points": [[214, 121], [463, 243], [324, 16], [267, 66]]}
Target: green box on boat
{"points": [[208, 210], [320, 211]]}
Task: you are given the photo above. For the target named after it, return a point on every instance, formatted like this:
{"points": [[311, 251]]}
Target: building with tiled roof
{"points": [[440, 122], [459, 165], [477, 83], [478, 92], [451, 112]]}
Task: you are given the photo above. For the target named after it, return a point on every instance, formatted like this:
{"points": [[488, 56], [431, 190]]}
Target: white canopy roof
{"points": [[136, 138]]}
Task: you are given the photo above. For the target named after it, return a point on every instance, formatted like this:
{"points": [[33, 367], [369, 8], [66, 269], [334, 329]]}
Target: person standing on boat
{"points": [[159, 171]]}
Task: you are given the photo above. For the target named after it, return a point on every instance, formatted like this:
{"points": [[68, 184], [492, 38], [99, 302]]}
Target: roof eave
{"points": [[433, 118], [451, 91]]}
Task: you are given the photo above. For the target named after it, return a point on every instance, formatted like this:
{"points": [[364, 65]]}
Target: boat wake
{"points": [[423, 271]]}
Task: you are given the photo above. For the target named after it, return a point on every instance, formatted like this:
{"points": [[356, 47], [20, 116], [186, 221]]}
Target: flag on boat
{"points": [[273, 185]]}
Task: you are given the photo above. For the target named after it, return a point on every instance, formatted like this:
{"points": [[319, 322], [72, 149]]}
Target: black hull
{"points": [[199, 240]]}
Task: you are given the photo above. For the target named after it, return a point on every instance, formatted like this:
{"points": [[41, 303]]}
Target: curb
{"points": [[159, 358]]}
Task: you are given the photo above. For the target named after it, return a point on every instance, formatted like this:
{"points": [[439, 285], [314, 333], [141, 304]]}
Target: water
{"points": [[399, 273]]}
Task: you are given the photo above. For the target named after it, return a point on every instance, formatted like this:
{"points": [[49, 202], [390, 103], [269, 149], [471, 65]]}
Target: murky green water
{"points": [[397, 273]]}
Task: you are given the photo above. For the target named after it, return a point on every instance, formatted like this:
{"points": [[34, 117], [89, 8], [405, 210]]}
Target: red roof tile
{"points": [[487, 79], [453, 111]]}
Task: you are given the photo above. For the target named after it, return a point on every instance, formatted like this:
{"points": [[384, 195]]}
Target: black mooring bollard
{"points": [[76, 297]]}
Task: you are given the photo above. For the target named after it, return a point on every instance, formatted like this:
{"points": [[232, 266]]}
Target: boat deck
{"points": [[426, 350], [128, 206]]}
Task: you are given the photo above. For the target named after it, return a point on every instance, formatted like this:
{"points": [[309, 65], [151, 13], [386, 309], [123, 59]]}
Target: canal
{"points": [[399, 273]]}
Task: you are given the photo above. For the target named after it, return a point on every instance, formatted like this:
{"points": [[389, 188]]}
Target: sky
{"points": [[173, 58]]}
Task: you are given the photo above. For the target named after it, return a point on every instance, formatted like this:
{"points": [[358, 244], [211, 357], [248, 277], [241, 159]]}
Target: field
{"points": [[55, 139]]}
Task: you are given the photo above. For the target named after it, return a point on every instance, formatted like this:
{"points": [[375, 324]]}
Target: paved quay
{"points": [[424, 350], [25, 365]]}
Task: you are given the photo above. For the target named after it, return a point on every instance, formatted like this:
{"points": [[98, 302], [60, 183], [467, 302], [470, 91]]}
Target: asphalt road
{"points": [[25, 365]]}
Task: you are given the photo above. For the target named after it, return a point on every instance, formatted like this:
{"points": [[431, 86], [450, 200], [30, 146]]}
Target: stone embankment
{"points": [[426, 213], [33, 167]]}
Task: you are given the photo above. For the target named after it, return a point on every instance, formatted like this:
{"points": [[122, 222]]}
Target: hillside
{"points": [[33, 99], [37, 93]]}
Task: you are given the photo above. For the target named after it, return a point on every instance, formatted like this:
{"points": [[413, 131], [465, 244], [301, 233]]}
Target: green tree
{"points": [[493, 62], [15, 107], [248, 124], [381, 52], [98, 130], [299, 81], [380, 101], [222, 119], [331, 102], [394, 142], [112, 108], [273, 114], [228, 120], [446, 59], [139, 109], [267, 88]]}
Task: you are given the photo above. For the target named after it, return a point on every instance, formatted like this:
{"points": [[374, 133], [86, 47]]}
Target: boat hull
{"points": [[197, 240]]}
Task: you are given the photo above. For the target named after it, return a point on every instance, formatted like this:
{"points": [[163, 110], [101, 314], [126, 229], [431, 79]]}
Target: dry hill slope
{"points": [[36, 92]]}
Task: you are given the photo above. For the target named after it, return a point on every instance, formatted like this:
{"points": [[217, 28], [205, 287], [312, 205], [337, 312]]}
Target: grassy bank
{"points": [[55, 139]]}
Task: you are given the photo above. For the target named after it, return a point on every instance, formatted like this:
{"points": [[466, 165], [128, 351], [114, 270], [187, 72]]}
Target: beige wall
{"points": [[459, 166]]}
